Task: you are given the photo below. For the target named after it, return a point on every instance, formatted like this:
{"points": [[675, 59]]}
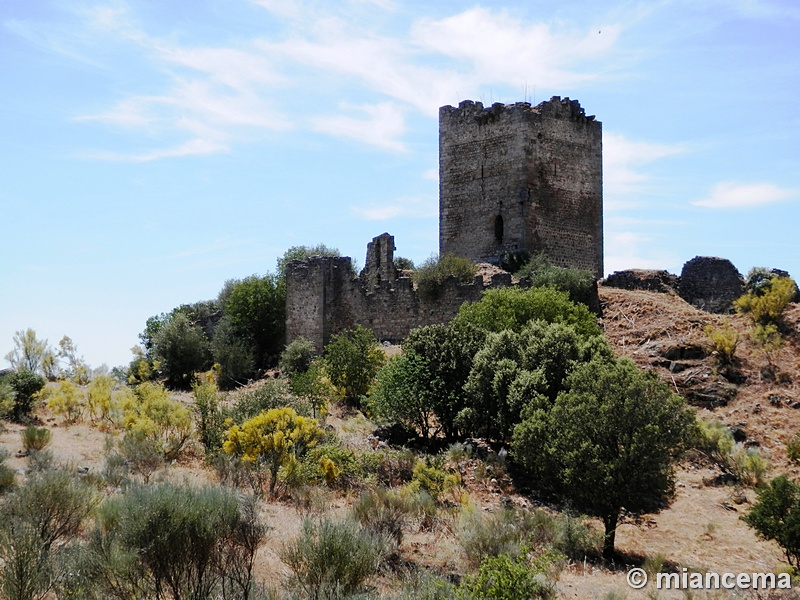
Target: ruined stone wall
{"points": [[711, 283], [323, 297], [516, 178]]}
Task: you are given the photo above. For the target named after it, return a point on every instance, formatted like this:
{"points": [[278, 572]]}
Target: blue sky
{"points": [[151, 150]]}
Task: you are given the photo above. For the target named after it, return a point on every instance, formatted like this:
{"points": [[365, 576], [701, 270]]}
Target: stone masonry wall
{"points": [[711, 284], [517, 178], [323, 297]]}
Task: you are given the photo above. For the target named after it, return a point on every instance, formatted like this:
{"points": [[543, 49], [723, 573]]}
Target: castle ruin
{"points": [[521, 179], [515, 180]]}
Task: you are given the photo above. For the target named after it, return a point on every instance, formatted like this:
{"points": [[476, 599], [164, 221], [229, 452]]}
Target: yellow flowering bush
{"points": [[273, 438]]}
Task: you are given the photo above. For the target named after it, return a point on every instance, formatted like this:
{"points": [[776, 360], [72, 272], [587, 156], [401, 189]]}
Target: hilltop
{"points": [[759, 399]]}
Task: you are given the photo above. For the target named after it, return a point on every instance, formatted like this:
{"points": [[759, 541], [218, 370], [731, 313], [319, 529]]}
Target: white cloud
{"points": [[635, 250], [232, 90], [193, 147], [745, 195], [499, 48], [380, 125], [415, 207], [623, 160]]}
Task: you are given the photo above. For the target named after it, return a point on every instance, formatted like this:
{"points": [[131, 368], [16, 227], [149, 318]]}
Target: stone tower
{"points": [[521, 179]]}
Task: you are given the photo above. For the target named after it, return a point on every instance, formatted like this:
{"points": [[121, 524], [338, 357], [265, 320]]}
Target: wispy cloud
{"points": [[215, 95], [745, 195], [496, 47], [635, 250], [380, 125], [415, 207], [624, 160]]}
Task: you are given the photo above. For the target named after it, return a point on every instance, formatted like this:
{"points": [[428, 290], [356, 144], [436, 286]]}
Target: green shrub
{"points": [[268, 394], [8, 398], [68, 400], [507, 577], [502, 532], [389, 466], [36, 521], [234, 356], [715, 440], [776, 516], [330, 557], [431, 478], [793, 448], [431, 275], [385, 512], [724, 339], [748, 465], [297, 356], [25, 384], [183, 540], [766, 304], [313, 387], [210, 422], [182, 349], [275, 438], [101, 400], [403, 264], [35, 438], [256, 309], [142, 455], [152, 414], [303, 253], [7, 479], [512, 308], [509, 530], [402, 395], [424, 585], [578, 283], [353, 358], [444, 357]]}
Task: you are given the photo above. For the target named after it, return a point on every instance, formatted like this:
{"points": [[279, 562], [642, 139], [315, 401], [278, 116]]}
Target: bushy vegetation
{"points": [[513, 308], [776, 516], [715, 440], [724, 340], [767, 299], [22, 387], [609, 441], [578, 283], [353, 358], [176, 541], [275, 438], [506, 577], [333, 558], [430, 276]]}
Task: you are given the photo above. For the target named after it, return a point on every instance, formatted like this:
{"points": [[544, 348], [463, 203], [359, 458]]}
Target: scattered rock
{"points": [[684, 352], [711, 395]]}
